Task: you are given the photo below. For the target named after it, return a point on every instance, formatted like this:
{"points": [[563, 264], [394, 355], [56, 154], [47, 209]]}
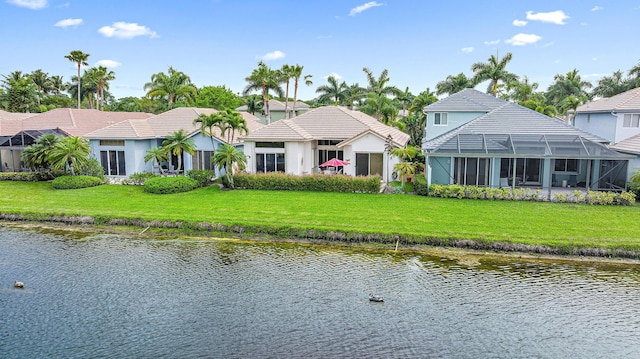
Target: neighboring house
{"points": [[18, 131], [476, 139], [121, 147], [300, 145], [277, 111], [616, 119]]}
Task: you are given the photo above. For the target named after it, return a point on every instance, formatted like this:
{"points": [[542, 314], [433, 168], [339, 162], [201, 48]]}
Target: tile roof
{"points": [[629, 145], [513, 119], [4, 115], [626, 101], [275, 105], [326, 123], [467, 100], [163, 124], [72, 121]]}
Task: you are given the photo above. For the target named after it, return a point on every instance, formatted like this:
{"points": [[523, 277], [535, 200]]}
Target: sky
{"points": [[219, 42]]}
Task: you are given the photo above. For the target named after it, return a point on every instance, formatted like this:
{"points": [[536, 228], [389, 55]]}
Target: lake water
{"points": [[115, 296]]}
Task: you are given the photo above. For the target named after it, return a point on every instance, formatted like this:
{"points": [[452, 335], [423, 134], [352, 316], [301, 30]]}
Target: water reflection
{"points": [[91, 295]]}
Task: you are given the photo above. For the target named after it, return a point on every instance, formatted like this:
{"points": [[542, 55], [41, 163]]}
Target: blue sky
{"points": [[219, 42]]}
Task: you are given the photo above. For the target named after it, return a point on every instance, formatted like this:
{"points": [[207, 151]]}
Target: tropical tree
{"points": [[333, 92], [570, 103], [36, 156], [405, 97], [80, 58], [254, 104], [263, 78], [218, 97], [634, 75], [57, 84], [424, 99], [354, 95], [612, 85], [538, 105], [453, 84], [104, 76], [567, 85], [379, 106], [70, 153], [172, 86], [520, 91], [296, 71], [406, 166], [20, 93], [286, 73], [493, 70], [42, 82], [207, 124], [157, 155], [232, 123], [416, 120], [379, 85], [226, 157], [177, 143]]}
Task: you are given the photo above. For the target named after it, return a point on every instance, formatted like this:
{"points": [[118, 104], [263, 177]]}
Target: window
{"points": [[201, 160], [631, 120], [113, 163], [269, 162], [269, 144], [471, 171], [440, 118], [111, 142], [368, 164], [566, 165], [325, 155]]}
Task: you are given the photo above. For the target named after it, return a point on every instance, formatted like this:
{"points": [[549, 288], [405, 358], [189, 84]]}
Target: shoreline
{"points": [[207, 231]]}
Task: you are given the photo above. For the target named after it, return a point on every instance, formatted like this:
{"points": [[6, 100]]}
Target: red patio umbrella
{"points": [[334, 162]]}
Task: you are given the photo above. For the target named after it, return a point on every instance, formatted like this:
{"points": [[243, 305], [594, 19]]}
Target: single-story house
{"points": [[121, 147], [617, 119], [277, 110], [473, 138], [300, 145], [19, 130]]}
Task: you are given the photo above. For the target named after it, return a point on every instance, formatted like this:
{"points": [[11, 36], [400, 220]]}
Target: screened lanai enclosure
{"points": [[517, 160], [11, 147]]}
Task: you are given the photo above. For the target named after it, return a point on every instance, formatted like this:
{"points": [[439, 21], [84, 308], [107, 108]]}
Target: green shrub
{"points": [[30, 176], [634, 187], [93, 168], [420, 186], [73, 182], [165, 185], [139, 178], [203, 177], [315, 182]]}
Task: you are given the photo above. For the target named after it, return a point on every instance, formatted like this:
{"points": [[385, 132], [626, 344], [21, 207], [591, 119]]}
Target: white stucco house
{"points": [[300, 145]]}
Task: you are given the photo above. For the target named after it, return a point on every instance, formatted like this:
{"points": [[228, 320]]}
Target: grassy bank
{"points": [[415, 219]]}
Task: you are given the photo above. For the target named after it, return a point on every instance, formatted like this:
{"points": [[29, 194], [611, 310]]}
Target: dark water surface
{"points": [[115, 296]]}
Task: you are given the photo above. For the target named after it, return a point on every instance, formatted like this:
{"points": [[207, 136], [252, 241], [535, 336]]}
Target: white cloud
{"points": [[492, 42], [555, 17], [334, 75], [467, 49], [110, 64], [523, 39], [597, 8], [324, 36], [30, 4], [126, 30], [68, 22], [517, 22], [358, 9], [274, 55]]}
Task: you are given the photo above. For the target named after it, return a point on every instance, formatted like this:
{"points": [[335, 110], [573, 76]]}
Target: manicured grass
{"points": [[553, 224]]}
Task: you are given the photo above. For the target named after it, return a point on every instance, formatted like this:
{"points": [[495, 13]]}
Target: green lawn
{"points": [[554, 224]]}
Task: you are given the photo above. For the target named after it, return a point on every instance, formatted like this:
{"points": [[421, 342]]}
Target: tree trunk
{"points": [[286, 102], [295, 98], [78, 85]]}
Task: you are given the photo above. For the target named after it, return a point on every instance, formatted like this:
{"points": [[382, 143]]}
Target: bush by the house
{"points": [[165, 185], [139, 178], [635, 189], [203, 177], [316, 182], [92, 168], [73, 182]]}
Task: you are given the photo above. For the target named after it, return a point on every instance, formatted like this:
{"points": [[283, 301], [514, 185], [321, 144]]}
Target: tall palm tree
{"points": [[70, 153], [226, 157], [174, 86], [286, 72], [253, 105], [177, 143], [157, 155], [379, 106], [104, 76], [296, 71], [520, 91], [42, 82], [233, 123], [405, 97], [493, 70], [453, 84], [57, 84], [612, 85], [207, 123], [355, 95], [379, 85], [263, 78], [333, 92], [567, 85], [80, 58]]}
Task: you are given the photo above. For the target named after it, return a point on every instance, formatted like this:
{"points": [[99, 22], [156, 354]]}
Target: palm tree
{"points": [[355, 95], [21, 93], [80, 58], [70, 153], [612, 85], [157, 155], [234, 123], [379, 106], [57, 84], [287, 74], [174, 86], [570, 103], [177, 143], [520, 91], [567, 85], [207, 123], [538, 105], [493, 70], [333, 92], [225, 157], [104, 76], [36, 156], [264, 78], [453, 84], [379, 86], [405, 166], [253, 105], [42, 82], [296, 71]]}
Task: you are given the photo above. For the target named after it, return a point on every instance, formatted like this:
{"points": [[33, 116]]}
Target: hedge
{"points": [[203, 177], [314, 182], [29, 176], [74, 182], [166, 185]]}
